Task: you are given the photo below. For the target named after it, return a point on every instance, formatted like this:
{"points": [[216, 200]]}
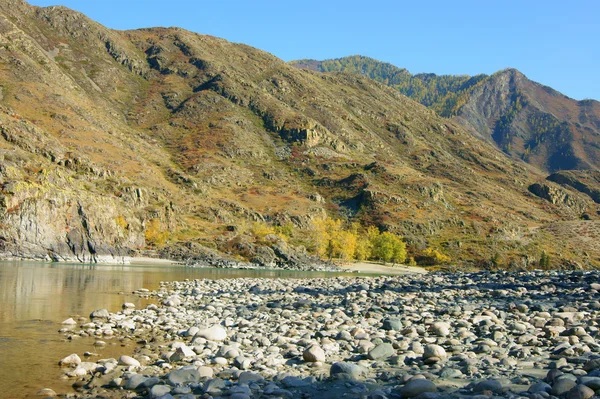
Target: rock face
{"points": [[115, 143], [556, 195], [586, 182]]}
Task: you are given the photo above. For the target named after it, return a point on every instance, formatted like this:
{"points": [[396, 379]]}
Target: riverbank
{"points": [[377, 268], [436, 335]]}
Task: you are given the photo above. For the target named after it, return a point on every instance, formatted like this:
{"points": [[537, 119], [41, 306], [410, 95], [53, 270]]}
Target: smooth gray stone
{"points": [[381, 351], [451, 373], [494, 386], [353, 370], [562, 386], [294, 382], [214, 385], [539, 387], [392, 324], [100, 314], [416, 387], [183, 376], [580, 392], [592, 382], [135, 381], [248, 377], [159, 390]]}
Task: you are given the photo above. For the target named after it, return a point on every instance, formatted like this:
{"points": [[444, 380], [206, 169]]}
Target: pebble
{"points": [[214, 333], [432, 350], [580, 392], [454, 335], [416, 387], [314, 354], [381, 351], [562, 386], [100, 314], [71, 360], [128, 361], [46, 393]]}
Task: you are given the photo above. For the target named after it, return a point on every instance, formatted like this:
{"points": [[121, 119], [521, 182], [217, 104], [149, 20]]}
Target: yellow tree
{"points": [[347, 244]]}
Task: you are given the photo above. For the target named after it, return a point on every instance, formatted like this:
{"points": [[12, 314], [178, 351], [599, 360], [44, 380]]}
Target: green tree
{"points": [[388, 247], [544, 260]]}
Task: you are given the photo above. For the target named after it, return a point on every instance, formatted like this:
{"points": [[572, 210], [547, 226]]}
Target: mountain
{"points": [[116, 143], [525, 119]]}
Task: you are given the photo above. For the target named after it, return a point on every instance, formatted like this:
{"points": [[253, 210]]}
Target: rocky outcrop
{"points": [[586, 182], [557, 196]]}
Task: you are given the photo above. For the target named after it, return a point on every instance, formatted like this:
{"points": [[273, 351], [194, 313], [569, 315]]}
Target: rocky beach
{"points": [[477, 335]]}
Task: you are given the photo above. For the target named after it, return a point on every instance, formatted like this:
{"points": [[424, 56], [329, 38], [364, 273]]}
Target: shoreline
{"points": [[376, 268]]}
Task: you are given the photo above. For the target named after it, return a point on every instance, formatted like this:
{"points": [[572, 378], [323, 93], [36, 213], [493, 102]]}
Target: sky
{"points": [[556, 43]]}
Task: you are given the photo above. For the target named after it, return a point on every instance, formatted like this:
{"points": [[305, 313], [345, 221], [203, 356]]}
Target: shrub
{"points": [[435, 257], [121, 222], [154, 234]]}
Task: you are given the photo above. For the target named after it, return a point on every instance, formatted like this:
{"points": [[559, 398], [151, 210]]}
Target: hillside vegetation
{"points": [[115, 143]]}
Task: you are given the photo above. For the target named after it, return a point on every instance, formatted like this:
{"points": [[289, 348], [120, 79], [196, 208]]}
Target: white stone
{"points": [[432, 350], [71, 360], [128, 361], [214, 333]]}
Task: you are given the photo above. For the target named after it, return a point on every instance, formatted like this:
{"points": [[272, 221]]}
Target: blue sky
{"points": [[556, 43]]}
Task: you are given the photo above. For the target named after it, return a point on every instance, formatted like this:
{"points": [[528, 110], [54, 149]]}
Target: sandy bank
{"points": [[150, 261], [376, 268]]}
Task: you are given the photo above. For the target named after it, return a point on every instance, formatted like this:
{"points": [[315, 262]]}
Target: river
{"points": [[36, 297]]}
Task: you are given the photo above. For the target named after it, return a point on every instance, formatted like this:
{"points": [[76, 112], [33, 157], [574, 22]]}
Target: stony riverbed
{"points": [[474, 335]]}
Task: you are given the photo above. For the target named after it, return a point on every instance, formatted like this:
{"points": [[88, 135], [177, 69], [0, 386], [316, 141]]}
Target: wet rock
{"points": [[46, 393], [99, 314], [493, 386], [71, 360], [539, 387]]}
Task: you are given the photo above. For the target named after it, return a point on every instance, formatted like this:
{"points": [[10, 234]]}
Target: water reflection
{"points": [[36, 297]]}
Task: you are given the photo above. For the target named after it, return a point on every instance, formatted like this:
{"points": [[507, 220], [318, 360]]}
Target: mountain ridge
{"points": [[114, 143], [523, 118]]}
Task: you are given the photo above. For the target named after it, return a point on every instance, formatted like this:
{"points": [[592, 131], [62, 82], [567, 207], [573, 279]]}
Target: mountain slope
{"points": [[524, 119], [117, 142]]}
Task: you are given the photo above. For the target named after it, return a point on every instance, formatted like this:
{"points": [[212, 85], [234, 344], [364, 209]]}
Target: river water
{"points": [[36, 297]]}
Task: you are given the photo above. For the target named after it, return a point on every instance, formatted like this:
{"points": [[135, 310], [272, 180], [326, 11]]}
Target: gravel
{"points": [[515, 335]]}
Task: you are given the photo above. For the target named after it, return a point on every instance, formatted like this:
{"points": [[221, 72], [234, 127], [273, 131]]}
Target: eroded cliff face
{"points": [[115, 142], [534, 123]]}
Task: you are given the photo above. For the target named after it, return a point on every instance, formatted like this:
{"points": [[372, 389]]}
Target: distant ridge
{"points": [[524, 119]]}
